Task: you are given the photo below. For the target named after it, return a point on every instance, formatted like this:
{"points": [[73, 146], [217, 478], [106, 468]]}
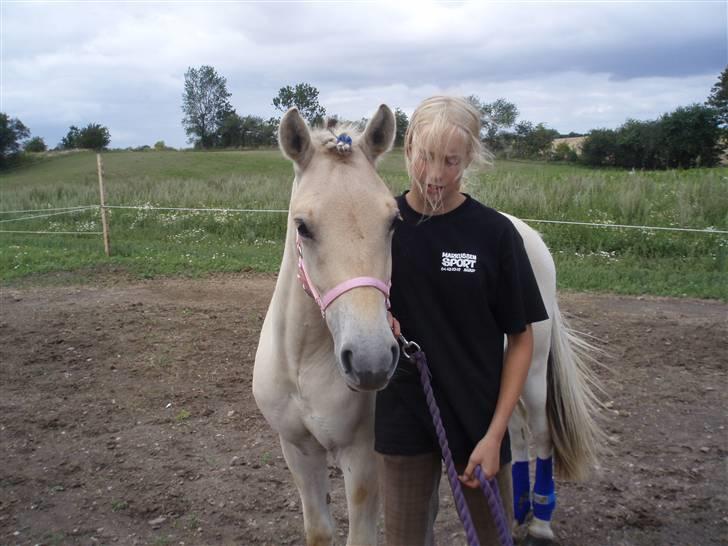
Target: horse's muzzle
{"points": [[366, 372]]}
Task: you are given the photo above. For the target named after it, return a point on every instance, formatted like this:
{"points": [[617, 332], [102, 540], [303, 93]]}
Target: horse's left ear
{"points": [[379, 134]]}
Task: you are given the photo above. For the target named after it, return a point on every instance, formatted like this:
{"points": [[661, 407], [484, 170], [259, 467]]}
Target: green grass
{"points": [[149, 243]]}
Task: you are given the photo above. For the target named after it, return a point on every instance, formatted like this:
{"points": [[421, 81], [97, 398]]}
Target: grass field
{"points": [[147, 243]]}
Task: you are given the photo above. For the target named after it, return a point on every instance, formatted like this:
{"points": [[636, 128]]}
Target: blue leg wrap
{"points": [[544, 490], [521, 490]]}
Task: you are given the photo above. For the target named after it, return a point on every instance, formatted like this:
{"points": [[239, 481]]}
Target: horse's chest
{"points": [[329, 419]]}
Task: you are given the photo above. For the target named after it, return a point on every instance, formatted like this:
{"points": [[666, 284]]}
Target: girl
{"points": [[461, 281]]}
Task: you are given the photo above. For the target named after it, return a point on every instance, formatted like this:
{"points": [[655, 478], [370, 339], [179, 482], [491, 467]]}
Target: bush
{"points": [[36, 144], [93, 137], [563, 152], [687, 137], [599, 148]]}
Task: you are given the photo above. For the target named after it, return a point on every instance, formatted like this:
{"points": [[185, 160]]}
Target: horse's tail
{"points": [[572, 404]]}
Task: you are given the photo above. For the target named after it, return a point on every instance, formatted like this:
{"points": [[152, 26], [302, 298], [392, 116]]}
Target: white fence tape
{"points": [[32, 217], [69, 210]]}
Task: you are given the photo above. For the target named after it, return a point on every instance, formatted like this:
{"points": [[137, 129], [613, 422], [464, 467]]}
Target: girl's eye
{"points": [[452, 160], [303, 231]]}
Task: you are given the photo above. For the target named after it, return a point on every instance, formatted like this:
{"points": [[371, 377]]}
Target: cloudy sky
{"points": [[572, 65]]}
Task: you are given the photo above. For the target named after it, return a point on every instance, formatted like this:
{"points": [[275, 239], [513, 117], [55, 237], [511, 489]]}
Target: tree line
{"points": [[690, 136], [687, 137]]}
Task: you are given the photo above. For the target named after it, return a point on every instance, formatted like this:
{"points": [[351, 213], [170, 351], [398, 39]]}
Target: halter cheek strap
{"points": [[339, 289]]}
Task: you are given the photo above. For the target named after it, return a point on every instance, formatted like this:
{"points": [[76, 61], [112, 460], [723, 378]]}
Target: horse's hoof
{"points": [[529, 540]]}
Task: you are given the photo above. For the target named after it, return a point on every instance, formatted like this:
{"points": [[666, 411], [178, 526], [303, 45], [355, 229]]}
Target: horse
{"points": [[320, 359], [559, 405]]}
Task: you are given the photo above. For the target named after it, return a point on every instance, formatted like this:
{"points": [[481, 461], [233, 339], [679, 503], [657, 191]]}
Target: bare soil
{"points": [[126, 417]]}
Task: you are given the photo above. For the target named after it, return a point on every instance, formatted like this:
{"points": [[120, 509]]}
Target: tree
{"points": [[718, 99], [638, 145], [494, 117], [598, 149], [247, 132], [402, 123], [35, 144], [12, 131], [231, 131], [94, 137], [205, 105], [690, 137], [533, 141], [304, 97], [71, 140]]}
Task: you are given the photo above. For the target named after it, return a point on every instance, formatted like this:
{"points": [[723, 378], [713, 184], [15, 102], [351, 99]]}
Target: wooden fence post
{"points": [[104, 221]]}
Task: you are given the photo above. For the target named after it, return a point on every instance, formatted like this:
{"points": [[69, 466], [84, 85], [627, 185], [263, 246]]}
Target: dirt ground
{"points": [[126, 417]]}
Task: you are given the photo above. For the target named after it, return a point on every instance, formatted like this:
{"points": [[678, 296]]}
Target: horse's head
{"points": [[343, 216]]}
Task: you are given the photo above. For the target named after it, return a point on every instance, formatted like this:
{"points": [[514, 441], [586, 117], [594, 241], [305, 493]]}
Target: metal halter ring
{"points": [[408, 346]]}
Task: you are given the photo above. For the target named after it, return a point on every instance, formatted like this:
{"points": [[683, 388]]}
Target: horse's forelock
{"points": [[325, 139]]}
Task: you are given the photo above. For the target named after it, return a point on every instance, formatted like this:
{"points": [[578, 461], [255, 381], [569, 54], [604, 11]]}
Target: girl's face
{"points": [[436, 174]]}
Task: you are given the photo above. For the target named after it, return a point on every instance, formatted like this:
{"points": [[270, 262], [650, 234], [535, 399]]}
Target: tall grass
{"points": [[148, 242]]}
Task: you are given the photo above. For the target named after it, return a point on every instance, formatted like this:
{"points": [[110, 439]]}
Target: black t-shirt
{"points": [[460, 282]]}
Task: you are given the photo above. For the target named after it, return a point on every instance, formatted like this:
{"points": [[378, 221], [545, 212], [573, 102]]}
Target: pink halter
{"points": [[339, 289]]}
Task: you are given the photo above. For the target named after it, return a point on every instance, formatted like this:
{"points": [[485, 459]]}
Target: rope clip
{"points": [[408, 346]]}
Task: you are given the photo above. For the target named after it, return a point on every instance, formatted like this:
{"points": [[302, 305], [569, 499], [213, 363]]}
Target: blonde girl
{"points": [[461, 284]]}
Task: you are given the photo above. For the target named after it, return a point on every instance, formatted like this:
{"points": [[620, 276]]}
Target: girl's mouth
{"points": [[434, 189]]}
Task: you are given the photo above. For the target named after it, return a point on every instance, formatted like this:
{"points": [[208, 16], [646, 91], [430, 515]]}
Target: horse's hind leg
{"points": [[309, 468], [534, 398], [358, 465]]}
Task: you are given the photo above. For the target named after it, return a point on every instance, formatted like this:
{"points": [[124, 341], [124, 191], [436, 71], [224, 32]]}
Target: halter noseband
{"points": [[339, 289]]}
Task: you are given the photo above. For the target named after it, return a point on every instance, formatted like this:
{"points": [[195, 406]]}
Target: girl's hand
{"points": [[393, 324], [487, 455]]}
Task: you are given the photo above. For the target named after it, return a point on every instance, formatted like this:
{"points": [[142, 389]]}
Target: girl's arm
{"points": [[515, 370]]}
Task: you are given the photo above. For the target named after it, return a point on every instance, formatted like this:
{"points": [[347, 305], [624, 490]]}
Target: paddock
{"points": [[126, 417]]}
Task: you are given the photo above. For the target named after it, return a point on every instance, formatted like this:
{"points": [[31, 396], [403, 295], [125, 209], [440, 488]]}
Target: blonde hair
{"points": [[433, 124]]}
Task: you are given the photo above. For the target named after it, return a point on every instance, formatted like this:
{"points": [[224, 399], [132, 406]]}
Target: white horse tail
{"points": [[572, 405]]}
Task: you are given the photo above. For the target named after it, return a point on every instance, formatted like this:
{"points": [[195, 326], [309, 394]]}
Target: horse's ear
{"points": [[294, 138], [379, 134]]}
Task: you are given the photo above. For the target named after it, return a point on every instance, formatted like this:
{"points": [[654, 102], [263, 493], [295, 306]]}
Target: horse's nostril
{"points": [[346, 357], [395, 354]]}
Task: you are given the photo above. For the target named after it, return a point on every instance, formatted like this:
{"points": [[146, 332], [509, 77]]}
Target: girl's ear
{"points": [[294, 138], [379, 134]]}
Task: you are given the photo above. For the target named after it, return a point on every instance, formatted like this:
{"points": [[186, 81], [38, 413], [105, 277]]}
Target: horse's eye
{"points": [[303, 231]]}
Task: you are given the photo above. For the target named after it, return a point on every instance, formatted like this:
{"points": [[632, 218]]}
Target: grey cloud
{"points": [[123, 64]]}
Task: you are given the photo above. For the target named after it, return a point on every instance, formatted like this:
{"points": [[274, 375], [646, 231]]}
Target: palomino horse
{"points": [[314, 378], [557, 407]]}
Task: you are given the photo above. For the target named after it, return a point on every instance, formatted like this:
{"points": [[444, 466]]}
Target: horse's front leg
{"points": [[358, 465], [518, 430], [309, 468]]}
